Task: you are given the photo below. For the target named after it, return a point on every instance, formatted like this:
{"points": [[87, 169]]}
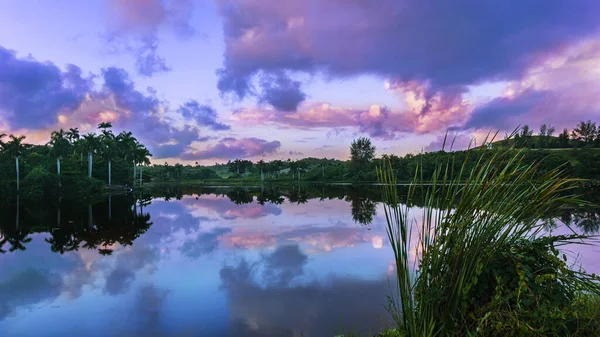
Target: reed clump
{"points": [[477, 262]]}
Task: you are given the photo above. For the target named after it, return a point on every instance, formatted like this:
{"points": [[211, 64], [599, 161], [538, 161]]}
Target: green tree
{"points": [[524, 139], [142, 157], [14, 148], [73, 135], [90, 144], [59, 148], [128, 145], [563, 139], [585, 132], [546, 132], [107, 146], [361, 152], [261, 166]]}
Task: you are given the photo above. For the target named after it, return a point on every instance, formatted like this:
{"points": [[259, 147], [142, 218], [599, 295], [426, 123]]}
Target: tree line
{"points": [[363, 162], [91, 161], [584, 134], [72, 161]]}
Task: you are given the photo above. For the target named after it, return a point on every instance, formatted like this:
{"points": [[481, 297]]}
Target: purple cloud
{"points": [[229, 210], [204, 243], [281, 92], [376, 121], [204, 115], [32, 93], [232, 148], [498, 113], [126, 265], [142, 20], [117, 81], [144, 119], [148, 62], [442, 46], [36, 95]]}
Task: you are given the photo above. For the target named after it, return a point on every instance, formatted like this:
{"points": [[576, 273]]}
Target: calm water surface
{"points": [[229, 262]]}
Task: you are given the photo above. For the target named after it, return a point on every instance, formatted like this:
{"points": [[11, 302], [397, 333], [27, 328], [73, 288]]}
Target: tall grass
{"points": [[472, 213]]}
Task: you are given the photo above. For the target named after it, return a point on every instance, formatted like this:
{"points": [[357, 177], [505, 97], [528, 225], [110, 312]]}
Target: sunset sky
{"points": [[212, 80]]}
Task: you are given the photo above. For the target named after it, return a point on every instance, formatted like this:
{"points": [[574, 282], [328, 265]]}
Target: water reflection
{"points": [[73, 225], [190, 261]]}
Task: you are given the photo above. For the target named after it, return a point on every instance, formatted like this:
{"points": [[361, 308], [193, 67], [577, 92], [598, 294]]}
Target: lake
{"points": [[192, 261]]}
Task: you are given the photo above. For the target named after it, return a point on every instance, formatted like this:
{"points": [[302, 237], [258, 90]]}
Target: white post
{"points": [[17, 166], [134, 172], [58, 170], [109, 174], [90, 164]]}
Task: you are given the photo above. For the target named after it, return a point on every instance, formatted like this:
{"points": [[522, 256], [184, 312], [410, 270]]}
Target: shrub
{"points": [[82, 187], [527, 288], [39, 183]]}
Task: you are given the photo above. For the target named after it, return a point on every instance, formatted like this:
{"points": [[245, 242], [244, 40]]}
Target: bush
{"points": [[82, 187], [529, 289], [39, 183]]}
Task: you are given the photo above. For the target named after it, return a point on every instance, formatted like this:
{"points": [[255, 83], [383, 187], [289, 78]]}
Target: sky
{"points": [[212, 80]]}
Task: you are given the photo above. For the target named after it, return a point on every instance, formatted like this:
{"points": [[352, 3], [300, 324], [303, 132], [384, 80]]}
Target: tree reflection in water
{"points": [[121, 219], [74, 225]]}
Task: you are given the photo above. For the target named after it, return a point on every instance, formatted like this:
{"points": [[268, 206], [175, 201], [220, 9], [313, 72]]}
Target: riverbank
{"points": [[288, 182]]}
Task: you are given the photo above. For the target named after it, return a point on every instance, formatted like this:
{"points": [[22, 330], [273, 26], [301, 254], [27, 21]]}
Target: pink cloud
{"points": [[324, 239], [232, 148], [376, 121], [561, 91]]}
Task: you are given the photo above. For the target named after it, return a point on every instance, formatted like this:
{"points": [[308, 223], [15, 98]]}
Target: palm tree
{"points": [[109, 150], [14, 148], [73, 135], [128, 144], [145, 161], [293, 168], [60, 147], [108, 146], [141, 155], [90, 143], [105, 126]]}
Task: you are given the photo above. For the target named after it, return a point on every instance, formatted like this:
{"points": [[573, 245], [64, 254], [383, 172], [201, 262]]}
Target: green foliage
{"points": [[588, 164], [83, 186], [39, 183], [481, 213], [528, 288], [70, 152], [390, 333], [362, 152]]}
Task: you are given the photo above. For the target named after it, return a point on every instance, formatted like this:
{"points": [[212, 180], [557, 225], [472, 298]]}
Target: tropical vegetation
{"points": [[71, 162]]}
